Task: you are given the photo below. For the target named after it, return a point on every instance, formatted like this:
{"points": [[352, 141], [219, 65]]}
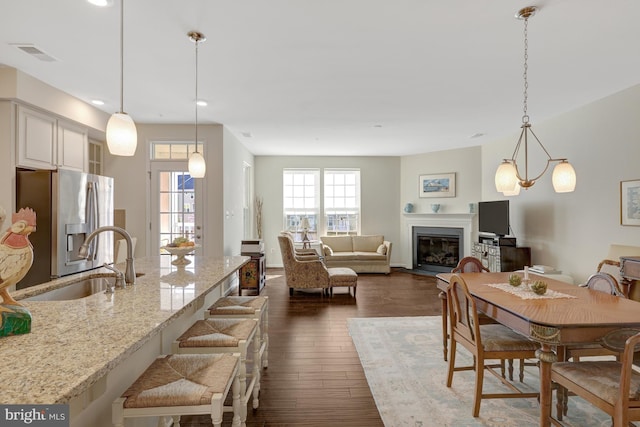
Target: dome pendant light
{"points": [[122, 136], [197, 165], [508, 178]]}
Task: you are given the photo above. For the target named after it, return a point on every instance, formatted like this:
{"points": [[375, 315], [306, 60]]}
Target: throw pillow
{"points": [[382, 249], [328, 251]]}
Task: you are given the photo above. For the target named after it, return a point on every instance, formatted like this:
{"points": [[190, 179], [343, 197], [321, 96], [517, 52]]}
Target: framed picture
{"points": [[630, 202], [437, 185]]}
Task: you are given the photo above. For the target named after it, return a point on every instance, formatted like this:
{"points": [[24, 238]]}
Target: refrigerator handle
{"points": [[92, 217]]}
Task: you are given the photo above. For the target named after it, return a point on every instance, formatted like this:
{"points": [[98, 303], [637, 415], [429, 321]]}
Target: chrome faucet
{"points": [[119, 282], [130, 272]]}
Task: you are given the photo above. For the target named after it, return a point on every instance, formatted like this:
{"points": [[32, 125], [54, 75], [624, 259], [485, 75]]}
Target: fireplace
{"points": [[437, 249]]}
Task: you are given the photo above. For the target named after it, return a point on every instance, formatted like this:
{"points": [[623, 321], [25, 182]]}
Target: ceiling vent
{"points": [[35, 52]]}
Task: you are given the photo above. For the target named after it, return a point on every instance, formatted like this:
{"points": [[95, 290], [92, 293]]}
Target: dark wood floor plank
{"points": [[315, 378]]}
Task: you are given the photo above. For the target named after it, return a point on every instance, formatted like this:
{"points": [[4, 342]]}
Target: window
{"points": [[301, 198], [176, 150], [342, 201]]}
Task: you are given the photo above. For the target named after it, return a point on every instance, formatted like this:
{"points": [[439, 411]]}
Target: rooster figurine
{"points": [[16, 257]]}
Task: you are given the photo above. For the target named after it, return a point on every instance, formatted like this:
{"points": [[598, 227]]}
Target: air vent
{"points": [[35, 52]]}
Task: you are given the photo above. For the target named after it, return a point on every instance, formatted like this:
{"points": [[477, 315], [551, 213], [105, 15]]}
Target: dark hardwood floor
{"points": [[314, 376]]}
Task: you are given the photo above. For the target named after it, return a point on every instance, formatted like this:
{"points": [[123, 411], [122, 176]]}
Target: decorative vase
{"points": [[435, 207], [408, 207]]}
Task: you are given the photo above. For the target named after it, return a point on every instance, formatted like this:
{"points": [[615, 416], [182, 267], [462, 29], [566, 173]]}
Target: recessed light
{"points": [[377, 126], [101, 3], [97, 102], [201, 103]]}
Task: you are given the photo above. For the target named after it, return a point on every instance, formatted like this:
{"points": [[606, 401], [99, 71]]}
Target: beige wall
{"points": [[464, 162], [380, 198], [235, 157], [131, 178], [573, 231]]}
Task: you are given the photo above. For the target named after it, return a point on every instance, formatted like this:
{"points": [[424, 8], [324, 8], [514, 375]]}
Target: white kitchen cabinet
{"points": [[36, 139], [46, 142], [73, 146]]}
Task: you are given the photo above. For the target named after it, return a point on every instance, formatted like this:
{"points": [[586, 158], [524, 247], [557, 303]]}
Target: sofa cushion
{"points": [[327, 250], [367, 243], [338, 243], [382, 249], [356, 256]]}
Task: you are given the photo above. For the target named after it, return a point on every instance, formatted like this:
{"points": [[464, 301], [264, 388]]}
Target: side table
{"points": [[253, 274]]}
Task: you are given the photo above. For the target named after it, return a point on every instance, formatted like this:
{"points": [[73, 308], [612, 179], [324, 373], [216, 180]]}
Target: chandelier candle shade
{"points": [[509, 178], [197, 165], [121, 133]]}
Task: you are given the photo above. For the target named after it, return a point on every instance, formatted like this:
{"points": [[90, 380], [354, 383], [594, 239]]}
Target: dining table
{"points": [[565, 315]]}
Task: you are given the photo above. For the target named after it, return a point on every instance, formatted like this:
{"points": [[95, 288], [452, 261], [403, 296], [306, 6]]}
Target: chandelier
{"points": [[510, 177]]}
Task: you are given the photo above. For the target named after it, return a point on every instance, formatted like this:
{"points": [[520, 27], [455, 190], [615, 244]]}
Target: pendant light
{"points": [[122, 136], [508, 179], [197, 166]]}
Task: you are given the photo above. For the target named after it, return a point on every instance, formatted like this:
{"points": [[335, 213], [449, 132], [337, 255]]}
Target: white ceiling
{"points": [[333, 77]]}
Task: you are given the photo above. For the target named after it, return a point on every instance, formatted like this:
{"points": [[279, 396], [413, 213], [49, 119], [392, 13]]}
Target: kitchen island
{"points": [[85, 352]]}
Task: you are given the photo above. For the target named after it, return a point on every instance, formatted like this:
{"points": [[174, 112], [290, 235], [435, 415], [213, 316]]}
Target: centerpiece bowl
{"points": [[180, 252]]}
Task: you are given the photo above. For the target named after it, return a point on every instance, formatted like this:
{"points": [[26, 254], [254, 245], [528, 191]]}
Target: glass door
{"points": [[176, 207]]}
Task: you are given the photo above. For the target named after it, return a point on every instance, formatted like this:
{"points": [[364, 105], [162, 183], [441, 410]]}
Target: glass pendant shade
{"points": [[514, 192], [197, 166], [122, 136], [506, 179], [564, 177]]}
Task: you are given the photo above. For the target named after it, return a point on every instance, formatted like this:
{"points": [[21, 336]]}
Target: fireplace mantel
{"points": [[459, 220]]}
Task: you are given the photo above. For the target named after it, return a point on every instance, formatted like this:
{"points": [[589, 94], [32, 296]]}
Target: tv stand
{"points": [[502, 258]]}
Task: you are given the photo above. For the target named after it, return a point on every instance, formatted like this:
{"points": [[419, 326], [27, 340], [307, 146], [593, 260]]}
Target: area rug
{"points": [[402, 360]]}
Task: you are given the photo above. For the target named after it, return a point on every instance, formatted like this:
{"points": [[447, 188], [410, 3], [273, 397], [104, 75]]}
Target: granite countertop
{"points": [[74, 343]]}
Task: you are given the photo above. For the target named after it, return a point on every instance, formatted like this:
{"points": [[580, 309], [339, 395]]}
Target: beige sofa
{"points": [[362, 254]]}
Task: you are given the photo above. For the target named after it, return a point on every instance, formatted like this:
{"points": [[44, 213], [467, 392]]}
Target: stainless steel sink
{"points": [[76, 290]]}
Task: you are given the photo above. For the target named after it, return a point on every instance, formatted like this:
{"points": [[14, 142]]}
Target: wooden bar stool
{"points": [[256, 307], [183, 384], [227, 336]]}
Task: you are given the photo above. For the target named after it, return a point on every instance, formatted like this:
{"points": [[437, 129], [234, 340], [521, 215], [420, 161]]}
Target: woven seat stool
{"points": [[251, 307], [211, 336], [342, 276], [183, 384]]}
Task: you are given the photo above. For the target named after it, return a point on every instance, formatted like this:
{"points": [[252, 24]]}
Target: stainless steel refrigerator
{"points": [[69, 205]]}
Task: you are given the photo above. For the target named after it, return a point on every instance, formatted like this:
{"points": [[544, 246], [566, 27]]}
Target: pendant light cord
{"points": [[196, 101], [122, 56], [525, 117]]}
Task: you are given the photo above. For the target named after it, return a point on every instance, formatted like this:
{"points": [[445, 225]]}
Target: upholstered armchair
{"points": [[302, 271]]}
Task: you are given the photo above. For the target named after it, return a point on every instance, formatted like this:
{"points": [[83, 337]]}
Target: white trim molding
{"points": [[454, 220]]}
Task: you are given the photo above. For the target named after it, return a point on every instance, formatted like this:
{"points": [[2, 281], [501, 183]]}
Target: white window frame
{"points": [[301, 198], [341, 208]]}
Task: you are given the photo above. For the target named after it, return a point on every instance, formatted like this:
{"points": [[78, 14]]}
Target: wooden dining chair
{"points": [[484, 342], [611, 385], [601, 282], [467, 264]]}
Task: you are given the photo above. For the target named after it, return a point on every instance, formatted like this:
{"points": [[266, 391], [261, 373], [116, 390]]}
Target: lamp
{"points": [[304, 224], [122, 136], [197, 165], [508, 178]]}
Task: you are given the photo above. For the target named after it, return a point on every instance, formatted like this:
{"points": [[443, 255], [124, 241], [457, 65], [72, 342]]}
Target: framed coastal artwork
{"points": [[437, 185], [630, 202]]}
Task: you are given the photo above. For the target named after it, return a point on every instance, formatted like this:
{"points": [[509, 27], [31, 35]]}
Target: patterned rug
{"points": [[402, 360]]}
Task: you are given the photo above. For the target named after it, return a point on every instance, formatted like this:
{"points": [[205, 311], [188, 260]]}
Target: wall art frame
{"points": [[437, 185], [630, 202]]}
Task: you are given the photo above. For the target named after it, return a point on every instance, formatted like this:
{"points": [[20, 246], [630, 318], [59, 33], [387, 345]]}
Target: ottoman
{"points": [[340, 276]]}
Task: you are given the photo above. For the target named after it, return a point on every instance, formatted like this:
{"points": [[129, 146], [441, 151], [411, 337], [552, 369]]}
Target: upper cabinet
{"points": [[46, 142]]}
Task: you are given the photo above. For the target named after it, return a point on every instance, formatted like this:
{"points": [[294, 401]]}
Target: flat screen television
{"points": [[493, 217]]}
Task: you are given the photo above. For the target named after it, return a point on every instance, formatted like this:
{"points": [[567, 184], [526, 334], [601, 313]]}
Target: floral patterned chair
{"points": [[308, 271]]}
